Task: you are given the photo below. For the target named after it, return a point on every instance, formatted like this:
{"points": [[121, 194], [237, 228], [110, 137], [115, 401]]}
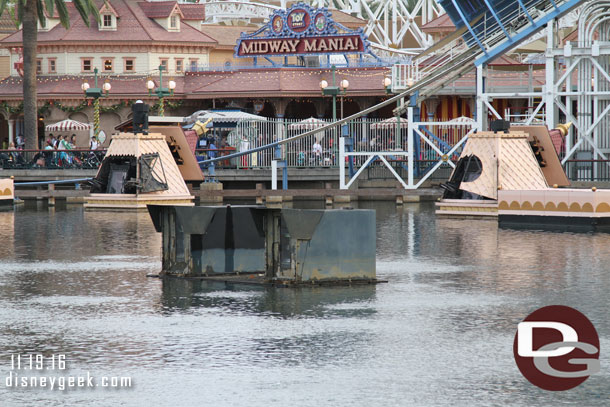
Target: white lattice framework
{"points": [[577, 86], [391, 24]]}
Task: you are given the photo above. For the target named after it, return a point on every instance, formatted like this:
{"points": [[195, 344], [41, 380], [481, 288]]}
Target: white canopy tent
{"points": [[68, 125], [309, 124], [390, 123]]}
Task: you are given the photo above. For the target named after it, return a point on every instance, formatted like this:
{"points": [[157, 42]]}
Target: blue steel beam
{"points": [[530, 30], [526, 13], [459, 10], [495, 16]]}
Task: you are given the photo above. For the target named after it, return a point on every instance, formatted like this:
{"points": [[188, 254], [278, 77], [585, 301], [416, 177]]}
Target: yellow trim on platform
{"points": [[550, 206], [603, 207], [575, 207]]}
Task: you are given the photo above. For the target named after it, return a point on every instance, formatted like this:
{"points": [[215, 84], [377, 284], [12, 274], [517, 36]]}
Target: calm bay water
{"points": [[440, 332]]}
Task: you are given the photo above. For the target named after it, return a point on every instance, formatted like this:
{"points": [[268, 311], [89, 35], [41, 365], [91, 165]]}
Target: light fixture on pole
{"points": [[96, 93], [161, 92], [334, 90], [387, 82]]}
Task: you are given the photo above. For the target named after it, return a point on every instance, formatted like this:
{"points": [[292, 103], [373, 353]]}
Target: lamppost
{"points": [[161, 92], [96, 93], [334, 90], [387, 83]]}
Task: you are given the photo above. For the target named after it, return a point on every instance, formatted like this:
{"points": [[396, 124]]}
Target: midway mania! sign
{"points": [[301, 30]]}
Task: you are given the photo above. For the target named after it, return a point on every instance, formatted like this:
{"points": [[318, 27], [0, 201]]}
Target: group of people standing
{"points": [[62, 144]]}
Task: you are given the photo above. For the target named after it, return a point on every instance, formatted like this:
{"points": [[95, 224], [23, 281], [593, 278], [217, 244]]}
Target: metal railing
{"points": [[379, 63], [51, 159], [588, 170]]}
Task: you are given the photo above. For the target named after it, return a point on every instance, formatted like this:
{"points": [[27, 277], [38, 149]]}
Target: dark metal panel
{"points": [[195, 219], [301, 223], [156, 215], [343, 246]]}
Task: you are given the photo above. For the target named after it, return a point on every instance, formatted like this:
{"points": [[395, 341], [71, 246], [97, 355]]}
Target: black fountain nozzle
{"points": [[140, 117], [500, 125]]}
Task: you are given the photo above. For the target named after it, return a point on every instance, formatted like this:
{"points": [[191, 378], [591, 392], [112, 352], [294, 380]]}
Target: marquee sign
{"points": [[301, 30]]}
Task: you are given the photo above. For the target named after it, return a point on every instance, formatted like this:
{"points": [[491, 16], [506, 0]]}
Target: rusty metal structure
{"points": [[254, 244]]}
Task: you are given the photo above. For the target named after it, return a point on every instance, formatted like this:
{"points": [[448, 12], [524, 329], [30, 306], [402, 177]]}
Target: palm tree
{"points": [[29, 13]]}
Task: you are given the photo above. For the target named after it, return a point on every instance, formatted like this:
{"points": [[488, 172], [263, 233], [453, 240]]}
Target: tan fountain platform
{"points": [[511, 180], [149, 170]]}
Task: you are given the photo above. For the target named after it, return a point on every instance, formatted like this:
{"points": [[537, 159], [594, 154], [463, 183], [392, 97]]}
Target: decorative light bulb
{"points": [[171, 84], [85, 86], [387, 82], [107, 86], [323, 84], [344, 84], [150, 84]]}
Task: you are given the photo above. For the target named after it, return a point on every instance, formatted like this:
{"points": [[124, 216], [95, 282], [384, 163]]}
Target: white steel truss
{"points": [[391, 24], [577, 87], [415, 132]]}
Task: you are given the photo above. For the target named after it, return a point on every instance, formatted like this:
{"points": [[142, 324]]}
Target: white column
{"points": [[410, 137], [342, 163], [481, 111], [549, 91], [11, 130], [274, 175]]}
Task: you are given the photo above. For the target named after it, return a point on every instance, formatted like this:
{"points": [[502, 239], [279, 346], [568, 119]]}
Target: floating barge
{"points": [[141, 169], [260, 245], [507, 174]]}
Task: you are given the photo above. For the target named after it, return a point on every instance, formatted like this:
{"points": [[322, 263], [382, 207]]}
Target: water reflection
{"points": [[438, 333], [319, 302]]}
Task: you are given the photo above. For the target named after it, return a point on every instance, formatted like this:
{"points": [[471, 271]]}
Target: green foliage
{"points": [[85, 8], [72, 109], [10, 109], [167, 105]]}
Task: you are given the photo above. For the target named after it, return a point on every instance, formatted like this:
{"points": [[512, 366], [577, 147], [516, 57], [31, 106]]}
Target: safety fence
{"points": [[51, 159], [588, 170], [321, 149]]}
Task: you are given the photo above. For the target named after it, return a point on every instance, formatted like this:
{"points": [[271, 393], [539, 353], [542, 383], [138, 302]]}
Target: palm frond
{"points": [[48, 5], [87, 8], [62, 11], [3, 4], [40, 10]]}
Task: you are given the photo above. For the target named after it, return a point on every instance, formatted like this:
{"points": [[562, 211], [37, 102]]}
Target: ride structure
{"points": [[484, 32]]}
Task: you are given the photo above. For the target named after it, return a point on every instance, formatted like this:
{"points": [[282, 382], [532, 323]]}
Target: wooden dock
{"points": [[210, 193]]}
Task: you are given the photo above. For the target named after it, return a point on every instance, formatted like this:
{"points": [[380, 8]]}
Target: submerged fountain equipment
{"points": [[260, 245]]}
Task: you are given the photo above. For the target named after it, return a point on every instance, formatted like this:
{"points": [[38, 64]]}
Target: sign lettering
{"points": [[339, 44]]}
